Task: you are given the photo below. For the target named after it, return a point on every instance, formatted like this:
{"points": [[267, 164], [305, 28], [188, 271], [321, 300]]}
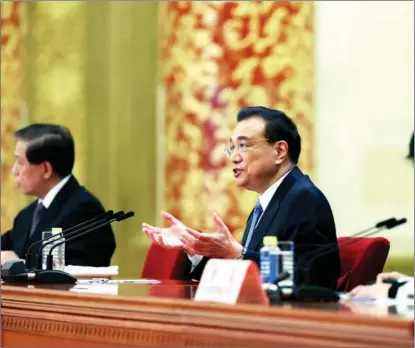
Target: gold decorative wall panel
{"points": [[90, 66], [215, 58], [56, 68], [121, 67], [12, 104]]}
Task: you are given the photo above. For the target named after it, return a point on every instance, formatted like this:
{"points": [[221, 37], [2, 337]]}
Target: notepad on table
{"points": [[92, 272]]}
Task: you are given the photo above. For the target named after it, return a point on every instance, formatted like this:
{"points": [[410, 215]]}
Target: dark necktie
{"points": [[254, 221], [40, 208]]}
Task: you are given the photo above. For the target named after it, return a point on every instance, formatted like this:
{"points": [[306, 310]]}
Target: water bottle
{"points": [[268, 256], [59, 252]]}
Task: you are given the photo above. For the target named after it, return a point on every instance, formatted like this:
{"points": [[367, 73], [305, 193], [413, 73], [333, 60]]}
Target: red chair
{"points": [[361, 260], [164, 263]]}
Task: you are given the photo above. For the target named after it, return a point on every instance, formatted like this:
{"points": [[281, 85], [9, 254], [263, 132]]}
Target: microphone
{"points": [[96, 218], [73, 231], [117, 217], [14, 271], [378, 227], [313, 292]]}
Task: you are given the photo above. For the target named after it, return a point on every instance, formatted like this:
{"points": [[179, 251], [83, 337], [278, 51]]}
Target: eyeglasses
{"points": [[241, 146]]}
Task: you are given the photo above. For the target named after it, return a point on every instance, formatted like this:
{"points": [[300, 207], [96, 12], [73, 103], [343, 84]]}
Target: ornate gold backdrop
{"points": [[215, 58], [12, 104], [150, 91]]}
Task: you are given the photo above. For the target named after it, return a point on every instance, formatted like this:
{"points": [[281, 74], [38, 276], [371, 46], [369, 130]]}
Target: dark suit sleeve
{"points": [[92, 249], [6, 243], [310, 224], [6, 237]]}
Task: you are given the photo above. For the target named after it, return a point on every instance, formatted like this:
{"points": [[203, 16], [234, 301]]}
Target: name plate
{"points": [[231, 281]]}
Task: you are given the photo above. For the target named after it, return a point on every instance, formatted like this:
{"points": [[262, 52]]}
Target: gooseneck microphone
{"points": [[57, 236], [117, 217], [331, 247], [73, 233], [317, 293], [14, 270], [313, 292], [326, 249]]}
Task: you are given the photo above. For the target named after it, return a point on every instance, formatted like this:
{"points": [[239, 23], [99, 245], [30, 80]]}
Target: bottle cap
{"points": [[270, 240], [56, 230]]}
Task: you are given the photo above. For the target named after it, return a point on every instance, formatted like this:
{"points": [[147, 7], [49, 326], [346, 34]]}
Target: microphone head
{"points": [[398, 222], [126, 216], [108, 213], [117, 215], [386, 223]]}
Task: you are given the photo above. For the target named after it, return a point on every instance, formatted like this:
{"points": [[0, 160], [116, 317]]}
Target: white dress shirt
{"points": [[50, 196], [264, 200]]}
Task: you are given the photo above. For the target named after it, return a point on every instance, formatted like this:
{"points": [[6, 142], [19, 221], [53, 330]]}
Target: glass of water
{"points": [[58, 252], [286, 262], [46, 249]]}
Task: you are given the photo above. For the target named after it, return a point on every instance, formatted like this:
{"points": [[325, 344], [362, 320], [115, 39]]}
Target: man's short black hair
{"points": [[278, 126], [49, 143]]}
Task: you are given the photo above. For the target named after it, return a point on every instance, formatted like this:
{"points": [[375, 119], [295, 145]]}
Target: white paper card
{"points": [[222, 280]]}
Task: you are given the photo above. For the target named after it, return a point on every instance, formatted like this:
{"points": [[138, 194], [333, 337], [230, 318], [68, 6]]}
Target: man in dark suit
{"points": [[264, 150], [45, 156]]}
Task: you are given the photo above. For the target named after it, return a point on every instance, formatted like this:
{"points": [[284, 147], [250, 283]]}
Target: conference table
{"points": [[137, 313]]}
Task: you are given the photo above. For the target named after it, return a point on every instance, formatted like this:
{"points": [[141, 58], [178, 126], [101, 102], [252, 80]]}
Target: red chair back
{"points": [[164, 263], [361, 260]]}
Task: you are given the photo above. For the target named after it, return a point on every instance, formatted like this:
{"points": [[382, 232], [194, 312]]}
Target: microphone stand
{"points": [[49, 260], [57, 236], [73, 234], [313, 292], [14, 271]]}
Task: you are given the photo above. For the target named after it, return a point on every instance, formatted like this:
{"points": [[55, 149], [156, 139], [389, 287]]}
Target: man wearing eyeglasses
{"points": [[264, 152]]}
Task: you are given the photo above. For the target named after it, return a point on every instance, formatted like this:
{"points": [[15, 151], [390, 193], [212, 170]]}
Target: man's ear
{"points": [[281, 151], [47, 170]]}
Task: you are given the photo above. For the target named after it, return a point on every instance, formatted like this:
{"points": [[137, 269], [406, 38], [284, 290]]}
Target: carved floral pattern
{"points": [[12, 103], [217, 57]]}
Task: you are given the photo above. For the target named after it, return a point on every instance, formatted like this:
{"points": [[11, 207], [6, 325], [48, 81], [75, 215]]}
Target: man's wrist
{"points": [[237, 251], [242, 254]]}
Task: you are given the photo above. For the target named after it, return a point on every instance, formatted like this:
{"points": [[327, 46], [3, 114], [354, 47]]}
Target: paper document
{"points": [[96, 288], [118, 281], [92, 272]]}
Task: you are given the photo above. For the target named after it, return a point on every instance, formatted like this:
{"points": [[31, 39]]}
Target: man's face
{"points": [[28, 177], [255, 161]]}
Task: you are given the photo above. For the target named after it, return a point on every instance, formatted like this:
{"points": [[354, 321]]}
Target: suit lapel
{"points": [[48, 217], [25, 222], [270, 212]]}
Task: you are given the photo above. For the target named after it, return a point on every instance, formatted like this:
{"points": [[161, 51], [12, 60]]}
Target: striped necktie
{"points": [[254, 221], [40, 208]]}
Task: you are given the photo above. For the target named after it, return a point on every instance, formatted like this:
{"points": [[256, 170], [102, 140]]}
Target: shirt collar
{"points": [[266, 197], [50, 196]]}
